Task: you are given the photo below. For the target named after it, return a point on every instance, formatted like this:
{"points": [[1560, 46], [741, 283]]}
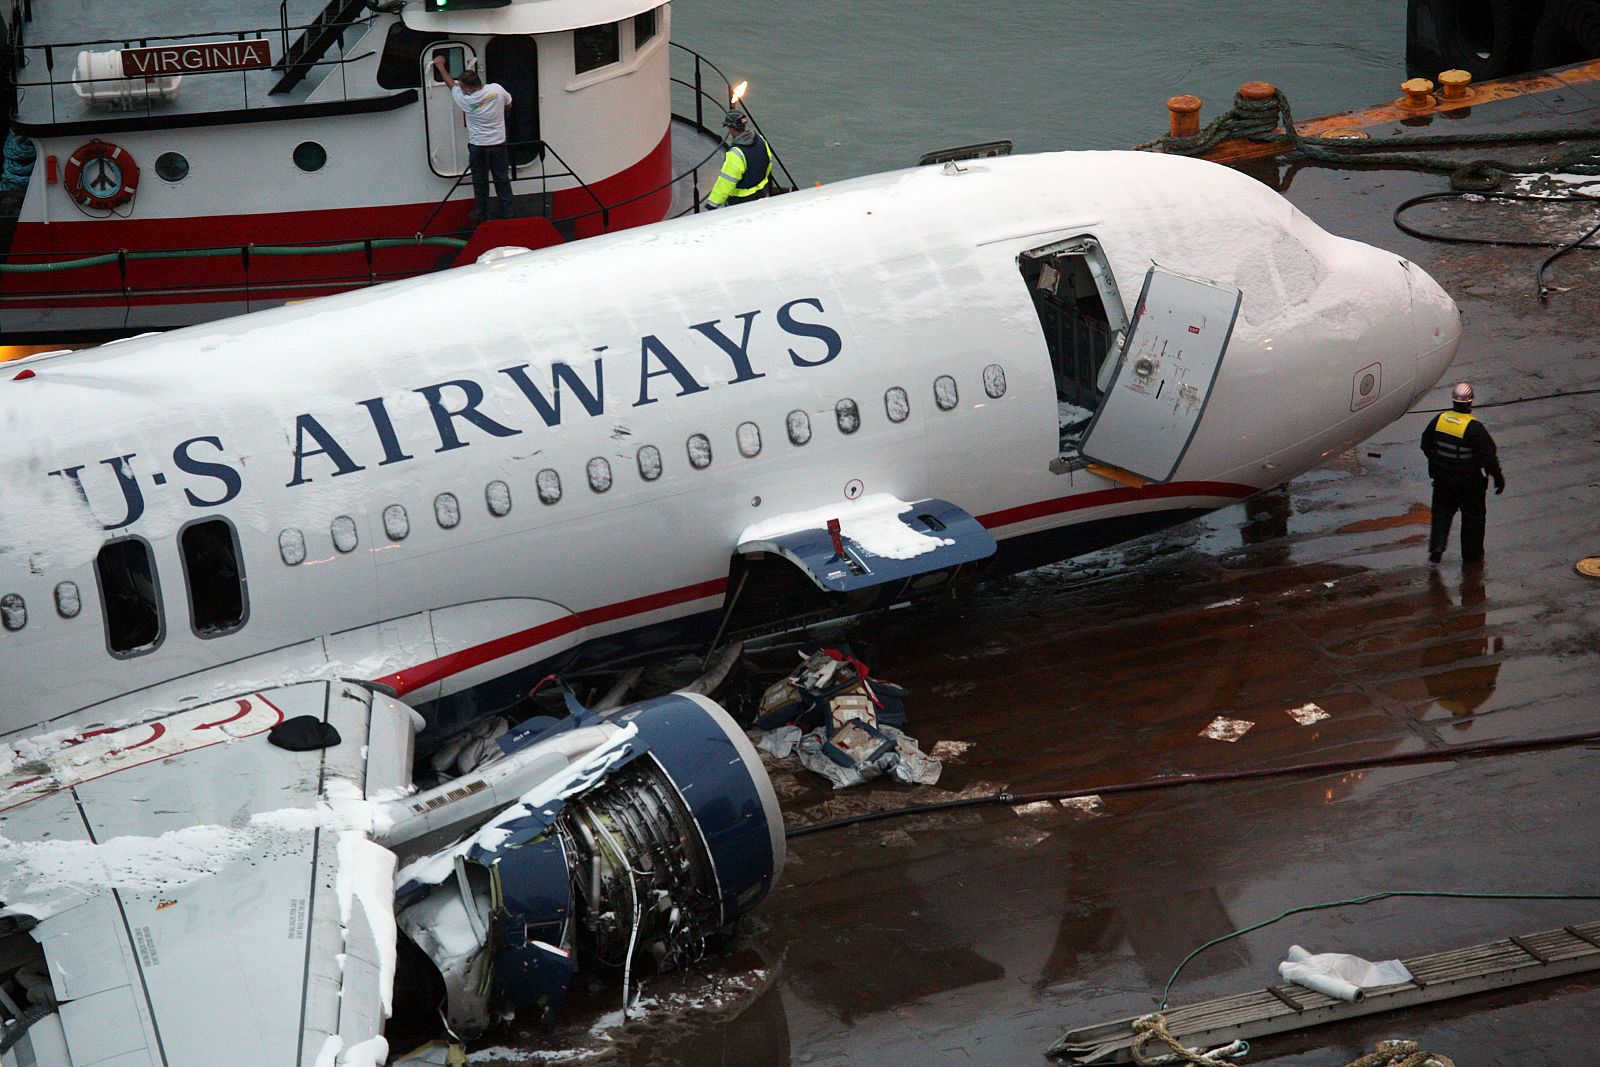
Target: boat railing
{"points": [[701, 97], [25, 56], [539, 150]]}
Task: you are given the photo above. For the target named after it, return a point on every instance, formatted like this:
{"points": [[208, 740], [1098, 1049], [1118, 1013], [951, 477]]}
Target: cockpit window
{"points": [[129, 596]]}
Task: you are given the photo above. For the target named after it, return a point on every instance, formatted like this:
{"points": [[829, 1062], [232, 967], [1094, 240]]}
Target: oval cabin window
{"points": [[599, 474], [292, 546], [896, 404], [799, 426], [396, 523], [548, 482], [994, 380], [13, 612], [68, 600], [649, 463], [749, 438], [848, 415], [447, 509], [497, 495], [345, 538], [699, 448]]}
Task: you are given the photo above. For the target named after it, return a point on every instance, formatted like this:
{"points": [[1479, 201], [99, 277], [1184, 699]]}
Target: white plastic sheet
{"points": [[1338, 974]]}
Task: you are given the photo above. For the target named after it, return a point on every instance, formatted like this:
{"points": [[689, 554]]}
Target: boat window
{"points": [[345, 536], [649, 463], [396, 523], [497, 495], [749, 438], [994, 380], [896, 404], [644, 27], [599, 474], [129, 596], [13, 612], [68, 600], [798, 424], [212, 571], [945, 393], [549, 485], [292, 546], [172, 166], [447, 509], [596, 46], [401, 64], [848, 415], [699, 447], [309, 156]]}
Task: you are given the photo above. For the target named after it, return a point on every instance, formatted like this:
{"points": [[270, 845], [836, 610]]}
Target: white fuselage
{"points": [[692, 327]]}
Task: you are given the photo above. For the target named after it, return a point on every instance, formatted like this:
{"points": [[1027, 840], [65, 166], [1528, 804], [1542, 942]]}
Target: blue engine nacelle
{"points": [[637, 836]]}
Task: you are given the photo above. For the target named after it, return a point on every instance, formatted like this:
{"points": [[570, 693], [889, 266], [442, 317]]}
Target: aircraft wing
{"points": [[193, 894], [872, 541]]}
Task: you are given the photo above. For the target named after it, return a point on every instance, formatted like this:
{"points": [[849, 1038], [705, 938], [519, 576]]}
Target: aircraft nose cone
{"points": [[1436, 323]]}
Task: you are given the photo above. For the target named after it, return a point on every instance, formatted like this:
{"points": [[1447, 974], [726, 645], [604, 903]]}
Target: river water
{"points": [[848, 87]]}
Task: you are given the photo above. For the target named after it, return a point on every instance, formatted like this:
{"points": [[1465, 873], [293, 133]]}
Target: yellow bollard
{"points": [[1455, 84], [1419, 93]]}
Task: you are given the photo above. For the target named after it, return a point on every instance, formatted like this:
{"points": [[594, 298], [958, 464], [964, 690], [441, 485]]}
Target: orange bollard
{"points": [[1419, 93], [1258, 90], [1183, 115], [1455, 84]]}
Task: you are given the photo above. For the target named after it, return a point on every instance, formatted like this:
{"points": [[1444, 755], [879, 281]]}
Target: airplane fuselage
{"points": [[444, 482]]}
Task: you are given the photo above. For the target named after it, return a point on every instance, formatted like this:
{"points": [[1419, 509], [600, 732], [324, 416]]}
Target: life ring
{"points": [[101, 175]]}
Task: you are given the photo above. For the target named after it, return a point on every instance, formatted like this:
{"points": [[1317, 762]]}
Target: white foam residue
{"points": [[872, 522], [1223, 728], [1306, 714], [373, 1052], [41, 878], [328, 1055], [1224, 604], [366, 873]]}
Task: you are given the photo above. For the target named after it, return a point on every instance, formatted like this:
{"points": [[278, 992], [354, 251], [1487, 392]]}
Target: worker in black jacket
{"points": [[1460, 452]]}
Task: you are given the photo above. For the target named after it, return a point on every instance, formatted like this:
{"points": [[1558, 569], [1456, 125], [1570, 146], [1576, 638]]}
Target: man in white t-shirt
{"points": [[485, 108]]}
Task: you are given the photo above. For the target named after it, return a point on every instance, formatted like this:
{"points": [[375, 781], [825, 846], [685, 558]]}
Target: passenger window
{"points": [[749, 438], [945, 393], [699, 446], [13, 612], [129, 596], [68, 600], [447, 509], [549, 485], [994, 380], [596, 46], [799, 426], [649, 463], [345, 536], [896, 404], [212, 570], [497, 495], [292, 547], [599, 474], [848, 415], [396, 523]]}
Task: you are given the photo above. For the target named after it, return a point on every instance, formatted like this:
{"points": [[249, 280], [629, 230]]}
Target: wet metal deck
{"points": [[977, 937]]}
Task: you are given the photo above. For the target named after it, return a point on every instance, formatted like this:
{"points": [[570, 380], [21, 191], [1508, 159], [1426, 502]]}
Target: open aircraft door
{"points": [[1164, 375]]}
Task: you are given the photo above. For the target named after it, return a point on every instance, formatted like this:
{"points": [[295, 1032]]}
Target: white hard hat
{"points": [[1462, 393]]}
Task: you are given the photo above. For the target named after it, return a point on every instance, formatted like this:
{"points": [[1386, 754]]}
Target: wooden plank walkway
{"points": [[1279, 1009]]}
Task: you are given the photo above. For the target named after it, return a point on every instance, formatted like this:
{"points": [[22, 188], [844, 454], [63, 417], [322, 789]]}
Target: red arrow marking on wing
{"points": [[244, 709], [156, 730]]}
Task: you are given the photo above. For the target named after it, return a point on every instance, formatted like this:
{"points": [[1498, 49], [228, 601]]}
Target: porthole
{"points": [[945, 393], [396, 523], [699, 446], [172, 166], [994, 380], [13, 612], [497, 495], [292, 546], [896, 404], [447, 510], [649, 463], [548, 482], [309, 156], [749, 437], [68, 600], [599, 471], [799, 426], [848, 415], [345, 537]]}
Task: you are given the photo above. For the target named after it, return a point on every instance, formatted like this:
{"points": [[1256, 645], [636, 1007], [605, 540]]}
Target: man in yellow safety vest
{"points": [[1460, 452], [746, 167]]}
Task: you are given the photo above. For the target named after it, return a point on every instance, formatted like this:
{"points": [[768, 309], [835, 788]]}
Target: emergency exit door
{"points": [[446, 126], [1164, 375]]}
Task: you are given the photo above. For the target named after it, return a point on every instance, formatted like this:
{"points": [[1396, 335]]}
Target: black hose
{"points": [[1561, 247], [1486, 748], [1558, 394]]}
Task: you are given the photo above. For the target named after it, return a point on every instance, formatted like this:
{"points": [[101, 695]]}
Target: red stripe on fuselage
{"points": [[414, 678]]}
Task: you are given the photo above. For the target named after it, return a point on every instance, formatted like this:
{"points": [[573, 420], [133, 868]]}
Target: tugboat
{"points": [[179, 164]]}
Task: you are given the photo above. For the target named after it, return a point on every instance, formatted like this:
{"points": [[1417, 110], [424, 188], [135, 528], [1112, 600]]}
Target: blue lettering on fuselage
{"points": [[455, 406]]}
